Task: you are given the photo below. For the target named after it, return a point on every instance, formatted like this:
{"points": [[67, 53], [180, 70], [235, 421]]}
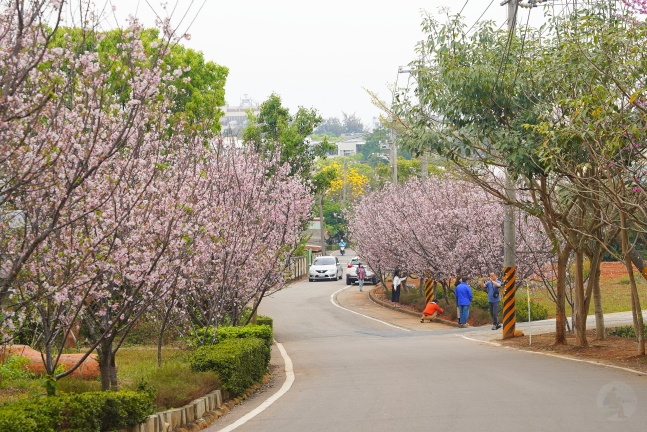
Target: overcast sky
{"points": [[318, 55]]}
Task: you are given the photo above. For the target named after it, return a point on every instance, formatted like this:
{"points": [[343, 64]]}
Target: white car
{"points": [[351, 272], [325, 268]]}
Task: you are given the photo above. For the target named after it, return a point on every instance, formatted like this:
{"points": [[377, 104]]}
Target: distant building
{"points": [[313, 234], [235, 119], [350, 145]]}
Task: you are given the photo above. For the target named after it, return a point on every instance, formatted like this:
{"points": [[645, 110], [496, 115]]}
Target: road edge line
{"points": [[289, 380], [557, 356]]}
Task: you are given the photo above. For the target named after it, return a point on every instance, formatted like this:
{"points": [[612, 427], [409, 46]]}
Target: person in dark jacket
{"points": [[464, 297]]}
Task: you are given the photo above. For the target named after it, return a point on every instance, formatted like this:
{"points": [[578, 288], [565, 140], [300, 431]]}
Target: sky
{"points": [[321, 55]]}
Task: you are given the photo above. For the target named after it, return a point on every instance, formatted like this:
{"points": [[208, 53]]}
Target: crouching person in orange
{"points": [[430, 311]]}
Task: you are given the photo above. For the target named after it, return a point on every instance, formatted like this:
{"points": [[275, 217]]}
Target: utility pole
{"points": [[393, 155], [321, 225], [509, 234], [424, 166], [344, 187]]}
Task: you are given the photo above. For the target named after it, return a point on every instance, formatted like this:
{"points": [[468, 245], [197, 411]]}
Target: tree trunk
{"points": [[637, 310], [594, 286], [104, 365], [160, 338], [560, 306], [114, 383], [638, 261], [580, 303], [635, 300]]}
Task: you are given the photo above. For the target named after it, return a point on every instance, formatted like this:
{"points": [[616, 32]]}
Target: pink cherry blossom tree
{"points": [[256, 218], [440, 227], [111, 206], [60, 127]]}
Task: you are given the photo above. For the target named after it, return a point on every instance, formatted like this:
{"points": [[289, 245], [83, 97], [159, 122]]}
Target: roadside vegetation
{"points": [[570, 161]]}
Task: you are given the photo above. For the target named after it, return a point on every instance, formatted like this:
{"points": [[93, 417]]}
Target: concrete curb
{"points": [[389, 305], [201, 411]]}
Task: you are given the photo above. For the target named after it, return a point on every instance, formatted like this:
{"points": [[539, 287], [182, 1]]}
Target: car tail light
{"points": [[350, 266]]}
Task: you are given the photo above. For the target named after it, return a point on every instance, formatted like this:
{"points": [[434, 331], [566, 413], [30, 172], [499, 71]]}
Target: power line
{"points": [[479, 18], [463, 8]]}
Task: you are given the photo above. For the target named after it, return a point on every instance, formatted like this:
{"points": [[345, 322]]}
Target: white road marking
{"points": [[556, 355], [289, 379], [333, 300], [479, 340]]}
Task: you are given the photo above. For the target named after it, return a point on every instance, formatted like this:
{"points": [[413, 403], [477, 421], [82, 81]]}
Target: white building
{"points": [[235, 118], [350, 145]]}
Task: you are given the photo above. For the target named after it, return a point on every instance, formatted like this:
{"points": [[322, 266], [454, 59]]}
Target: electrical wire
{"points": [[463, 8], [523, 45], [479, 18], [506, 52]]}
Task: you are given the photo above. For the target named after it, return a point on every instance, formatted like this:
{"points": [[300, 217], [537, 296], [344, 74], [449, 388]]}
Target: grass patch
{"points": [[616, 296], [16, 381], [175, 383]]}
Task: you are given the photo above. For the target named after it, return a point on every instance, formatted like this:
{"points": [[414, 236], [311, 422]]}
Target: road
{"points": [[360, 367]]}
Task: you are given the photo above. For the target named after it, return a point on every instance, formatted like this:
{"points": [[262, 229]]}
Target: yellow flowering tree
{"points": [[349, 182]]}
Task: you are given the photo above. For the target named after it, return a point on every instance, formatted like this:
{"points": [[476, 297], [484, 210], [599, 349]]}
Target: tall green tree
{"points": [[274, 130], [352, 123], [197, 86], [479, 95]]}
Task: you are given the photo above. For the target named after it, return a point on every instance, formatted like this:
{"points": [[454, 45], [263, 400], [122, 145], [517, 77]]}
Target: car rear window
{"points": [[324, 261]]}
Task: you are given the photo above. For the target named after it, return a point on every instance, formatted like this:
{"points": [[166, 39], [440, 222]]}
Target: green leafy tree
{"points": [[331, 126], [276, 130], [371, 149], [562, 111], [198, 85], [352, 123]]}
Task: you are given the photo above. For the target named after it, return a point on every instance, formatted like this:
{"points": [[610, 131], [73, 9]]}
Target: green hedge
{"points": [[263, 332], [207, 334], [537, 311], [264, 320], [239, 362], [85, 412], [480, 300], [627, 331]]}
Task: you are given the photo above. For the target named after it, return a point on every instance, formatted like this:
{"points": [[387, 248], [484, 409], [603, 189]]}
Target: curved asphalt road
{"points": [[392, 373]]}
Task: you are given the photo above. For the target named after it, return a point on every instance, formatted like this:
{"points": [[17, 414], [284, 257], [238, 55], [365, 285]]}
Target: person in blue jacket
{"points": [[464, 297]]}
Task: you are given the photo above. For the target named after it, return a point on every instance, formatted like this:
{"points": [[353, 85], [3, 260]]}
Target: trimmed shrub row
{"points": [[264, 320], [239, 362], [205, 335], [85, 412]]}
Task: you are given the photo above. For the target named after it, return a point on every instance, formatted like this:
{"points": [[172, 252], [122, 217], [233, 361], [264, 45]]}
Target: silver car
{"points": [[325, 268], [351, 272]]}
